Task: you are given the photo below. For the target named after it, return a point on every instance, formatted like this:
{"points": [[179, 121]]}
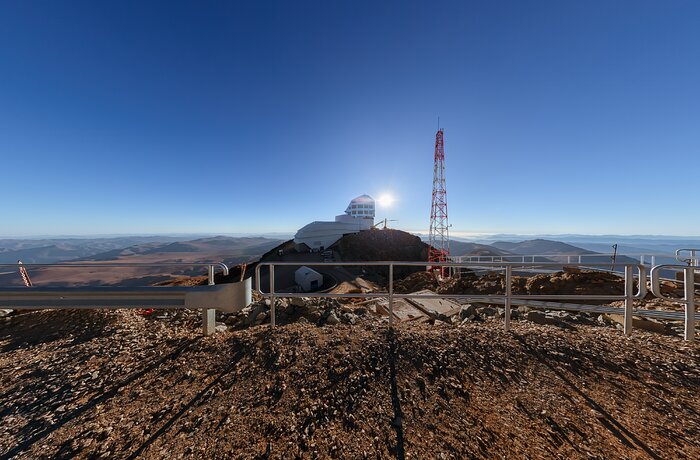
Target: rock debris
{"points": [[102, 384]]}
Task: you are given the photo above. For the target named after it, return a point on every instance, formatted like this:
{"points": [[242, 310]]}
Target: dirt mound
{"points": [[121, 385], [576, 282], [381, 245], [387, 244], [416, 282]]}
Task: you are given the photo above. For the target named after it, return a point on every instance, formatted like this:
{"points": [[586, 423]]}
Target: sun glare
{"points": [[385, 200]]}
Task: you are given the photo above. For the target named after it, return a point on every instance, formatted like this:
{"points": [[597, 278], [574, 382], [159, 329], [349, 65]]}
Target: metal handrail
{"points": [[221, 265], [571, 258], [162, 297], [629, 296], [495, 265], [108, 297], [693, 258], [688, 292]]}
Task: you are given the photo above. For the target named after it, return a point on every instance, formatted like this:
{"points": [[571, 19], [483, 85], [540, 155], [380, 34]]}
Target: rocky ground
{"points": [[118, 384], [572, 281]]}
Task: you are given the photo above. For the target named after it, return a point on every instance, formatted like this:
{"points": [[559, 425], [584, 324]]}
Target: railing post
{"points": [[653, 261], [689, 288], [272, 295], [629, 298], [509, 282], [391, 295], [209, 314]]}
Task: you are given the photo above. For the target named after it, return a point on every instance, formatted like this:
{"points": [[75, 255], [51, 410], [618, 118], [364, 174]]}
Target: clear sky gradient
{"points": [[223, 117]]}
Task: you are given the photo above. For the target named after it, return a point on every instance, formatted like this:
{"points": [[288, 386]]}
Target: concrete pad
{"points": [[640, 323], [434, 307], [403, 311]]}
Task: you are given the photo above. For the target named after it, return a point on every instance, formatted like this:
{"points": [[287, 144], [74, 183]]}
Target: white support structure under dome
{"points": [[359, 215]]}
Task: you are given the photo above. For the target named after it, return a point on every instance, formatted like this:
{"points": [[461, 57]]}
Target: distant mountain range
{"points": [[54, 250], [548, 250], [462, 248], [229, 250], [504, 248], [626, 244], [235, 250], [539, 247]]}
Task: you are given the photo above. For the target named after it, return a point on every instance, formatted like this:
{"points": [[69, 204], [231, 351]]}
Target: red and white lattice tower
{"points": [[439, 240]]}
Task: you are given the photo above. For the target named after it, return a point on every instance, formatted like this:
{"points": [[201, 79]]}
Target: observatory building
{"points": [[358, 216]]}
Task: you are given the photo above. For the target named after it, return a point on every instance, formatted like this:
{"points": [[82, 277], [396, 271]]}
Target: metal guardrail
{"points": [[648, 260], [577, 307], [209, 265], [208, 298], [628, 297], [693, 256], [644, 259], [688, 291], [226, 297], [221, 297]]}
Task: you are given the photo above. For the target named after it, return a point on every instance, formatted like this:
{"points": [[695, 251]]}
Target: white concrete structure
{"points": [[358, 216], [308, 279]]}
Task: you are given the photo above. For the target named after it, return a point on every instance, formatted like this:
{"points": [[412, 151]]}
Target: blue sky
{"points": [[223, 117]]}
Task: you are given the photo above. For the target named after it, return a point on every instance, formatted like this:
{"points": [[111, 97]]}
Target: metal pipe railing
{"points": [[693, 256], [688, 293], [221, 265], [648, 260], [129, 298], [629, 279], [644, 258]]}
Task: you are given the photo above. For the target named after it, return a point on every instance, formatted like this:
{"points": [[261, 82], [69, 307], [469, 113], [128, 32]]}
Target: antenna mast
{"points": [[439, 239]]}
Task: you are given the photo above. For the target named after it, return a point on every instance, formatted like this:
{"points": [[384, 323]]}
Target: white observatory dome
{"points": [[362, 206]]}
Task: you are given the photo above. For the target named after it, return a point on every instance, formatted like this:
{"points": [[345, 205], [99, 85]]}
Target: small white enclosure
{"points": [[308, 279]]}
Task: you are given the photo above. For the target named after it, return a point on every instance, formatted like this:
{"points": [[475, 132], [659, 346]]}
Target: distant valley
{"points": [[148, 250], [52, 250]]}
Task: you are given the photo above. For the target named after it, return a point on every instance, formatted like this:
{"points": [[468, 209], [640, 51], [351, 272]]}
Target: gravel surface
{"points": [[115, 384]]}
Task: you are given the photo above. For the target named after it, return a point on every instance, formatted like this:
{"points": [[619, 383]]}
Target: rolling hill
{"points": [[462, 248], [539, 247], [53, 250]]}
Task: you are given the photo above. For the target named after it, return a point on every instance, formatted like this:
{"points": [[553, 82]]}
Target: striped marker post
{"points": [[23, 273]]}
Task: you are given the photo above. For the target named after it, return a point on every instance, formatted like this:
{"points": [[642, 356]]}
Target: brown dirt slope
{"points": [[387, 244], [85, 384], [567, 282]]}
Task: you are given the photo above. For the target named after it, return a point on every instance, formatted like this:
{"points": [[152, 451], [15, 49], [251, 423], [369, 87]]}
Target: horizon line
{"points": [[470, 235]]}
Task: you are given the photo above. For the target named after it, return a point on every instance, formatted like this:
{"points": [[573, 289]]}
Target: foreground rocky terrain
{"points": [[117, 384]]}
